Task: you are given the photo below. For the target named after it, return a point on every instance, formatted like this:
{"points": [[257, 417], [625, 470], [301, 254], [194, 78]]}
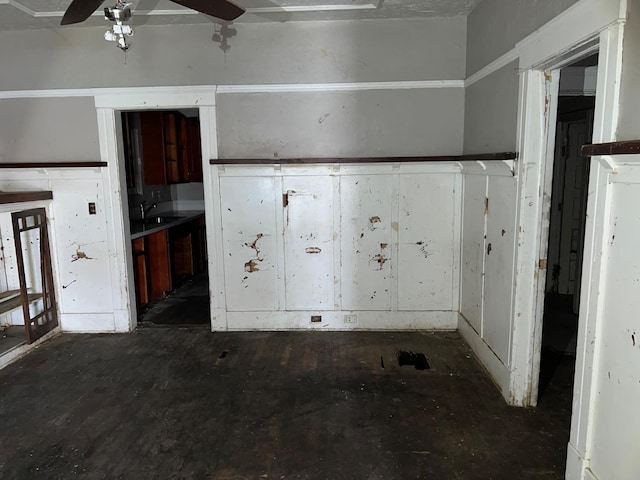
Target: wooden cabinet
{"points": [[199, 240], [164, 259], [171, 147], [159, 264], [189, 149], [152, 269], [195, 150], [188, 249], [172, 157], [140, 271], [153, 153]]}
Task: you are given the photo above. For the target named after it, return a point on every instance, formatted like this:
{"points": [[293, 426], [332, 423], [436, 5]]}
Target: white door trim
{"points": [[569, 40], [535, 125], [107, 105], [594, 263]]}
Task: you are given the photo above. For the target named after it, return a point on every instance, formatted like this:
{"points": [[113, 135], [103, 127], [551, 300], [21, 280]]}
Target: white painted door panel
{"points": [[337, 241], [425, 242], [366, 244], [498, 281], [616, 424], [473, 249], [308, 242], [250, 243]]}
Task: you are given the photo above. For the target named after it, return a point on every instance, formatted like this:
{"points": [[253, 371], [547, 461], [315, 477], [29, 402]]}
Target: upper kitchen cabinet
{"points": [[195, 149], [168, 146], [189, 149]]}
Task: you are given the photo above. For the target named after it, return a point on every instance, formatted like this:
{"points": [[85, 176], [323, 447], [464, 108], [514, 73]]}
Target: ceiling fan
{"points": [[79, 10]]}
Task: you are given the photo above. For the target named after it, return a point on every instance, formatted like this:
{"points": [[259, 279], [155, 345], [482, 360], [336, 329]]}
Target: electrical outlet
{"points": [[350, 319], [316, 318]]}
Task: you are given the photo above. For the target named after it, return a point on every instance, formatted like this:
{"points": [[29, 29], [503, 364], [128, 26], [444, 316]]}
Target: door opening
{"points": [[164, 180], [567, 219]]}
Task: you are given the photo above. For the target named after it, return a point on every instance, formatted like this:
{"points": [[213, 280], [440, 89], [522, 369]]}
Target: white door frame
{"points": [[107, 105], [596, 237], [587, 26], [569, 36]]}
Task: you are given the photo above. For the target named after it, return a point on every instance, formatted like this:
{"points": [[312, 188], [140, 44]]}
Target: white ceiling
{"points": [[37, 14]]}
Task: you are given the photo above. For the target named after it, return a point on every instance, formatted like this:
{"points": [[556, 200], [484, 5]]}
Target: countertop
{"points": [[174, 218]]}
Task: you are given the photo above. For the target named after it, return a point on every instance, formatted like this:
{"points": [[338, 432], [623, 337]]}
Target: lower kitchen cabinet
{"points": [[159, 265], [140, 271], [181, 255], [164, 259]]}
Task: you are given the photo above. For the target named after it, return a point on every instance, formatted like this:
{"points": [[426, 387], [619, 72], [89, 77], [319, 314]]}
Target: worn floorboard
{"points": [[178, 403], [11, 337], [187, 305]]}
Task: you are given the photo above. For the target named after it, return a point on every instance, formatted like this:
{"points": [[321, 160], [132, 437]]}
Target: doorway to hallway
{"points": [[567, 219]]}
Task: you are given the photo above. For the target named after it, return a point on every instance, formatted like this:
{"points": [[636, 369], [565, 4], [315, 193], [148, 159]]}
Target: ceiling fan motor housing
{"points": [[117, 14]]}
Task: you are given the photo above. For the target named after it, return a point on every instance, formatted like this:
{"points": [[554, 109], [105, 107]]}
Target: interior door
{"points": [[34, 270], [574, 203]]}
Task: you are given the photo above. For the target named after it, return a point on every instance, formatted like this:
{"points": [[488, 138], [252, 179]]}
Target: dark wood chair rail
{"points": [[307, 161], [630, 147], [19, 197], [53, 164]]}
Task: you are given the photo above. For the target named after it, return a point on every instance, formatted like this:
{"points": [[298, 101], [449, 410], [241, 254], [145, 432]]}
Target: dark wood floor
{"points": [[178, 403]]}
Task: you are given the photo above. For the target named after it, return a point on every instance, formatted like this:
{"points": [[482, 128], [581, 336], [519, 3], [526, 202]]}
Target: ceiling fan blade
{"points": [[222, 9], [79, 11]]}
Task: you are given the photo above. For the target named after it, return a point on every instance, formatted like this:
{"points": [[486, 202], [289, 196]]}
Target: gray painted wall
{"points": [[495, 26], [341, 124], [48, 129], [629, 120], [491, 111], [297, 52], [382, 122]]}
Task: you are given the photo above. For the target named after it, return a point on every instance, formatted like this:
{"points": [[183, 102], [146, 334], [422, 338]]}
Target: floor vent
{"points": [[418, 360]]}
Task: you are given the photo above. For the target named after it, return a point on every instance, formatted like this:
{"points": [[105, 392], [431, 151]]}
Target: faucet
{"points": [[144, 210]]}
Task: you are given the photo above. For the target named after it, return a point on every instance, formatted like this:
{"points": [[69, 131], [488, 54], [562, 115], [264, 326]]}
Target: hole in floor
{"points": [[418, 360], [224, 354]]}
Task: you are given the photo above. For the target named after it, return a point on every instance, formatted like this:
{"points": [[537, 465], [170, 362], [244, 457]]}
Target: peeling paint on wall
{"points": [[380, 260], [613, 234], [423, 250], [254, 245], [373, 221], [80, 255], [252, 266]]}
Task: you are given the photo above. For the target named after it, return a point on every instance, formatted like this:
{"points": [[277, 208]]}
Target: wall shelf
{"points": [[629, 147], [19, 197], [11, 300], [306, 161]]}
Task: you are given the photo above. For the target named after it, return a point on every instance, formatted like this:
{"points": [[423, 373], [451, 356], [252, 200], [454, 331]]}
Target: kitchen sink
{"points": [[160, 219]]}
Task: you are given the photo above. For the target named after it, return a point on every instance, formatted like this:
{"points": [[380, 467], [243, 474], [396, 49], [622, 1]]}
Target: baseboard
{"points": [[338, 321], [122, 321], [89, 323], [577, 466], [497, 370]]}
